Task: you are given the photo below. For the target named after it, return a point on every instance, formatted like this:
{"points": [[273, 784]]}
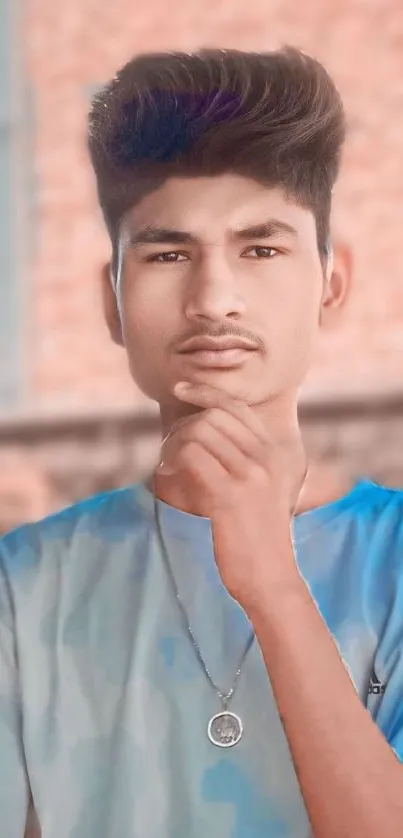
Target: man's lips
{"points": [[218, 358], [209, 344]]}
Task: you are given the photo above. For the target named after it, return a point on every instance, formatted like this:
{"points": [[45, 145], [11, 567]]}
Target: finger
{"points": [[224, 450], [204, 395], [204, 470], [229, 427], [234, 429]]}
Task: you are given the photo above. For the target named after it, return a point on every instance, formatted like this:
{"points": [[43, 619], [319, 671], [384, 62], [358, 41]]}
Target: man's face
{"points": [[206, 278]]}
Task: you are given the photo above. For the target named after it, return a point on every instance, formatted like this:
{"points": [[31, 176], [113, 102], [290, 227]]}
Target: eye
{"points": [[263, 251], [165, 258]]}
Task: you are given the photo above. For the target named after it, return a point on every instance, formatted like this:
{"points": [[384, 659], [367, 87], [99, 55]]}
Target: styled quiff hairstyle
{"points": [[275, 117]]}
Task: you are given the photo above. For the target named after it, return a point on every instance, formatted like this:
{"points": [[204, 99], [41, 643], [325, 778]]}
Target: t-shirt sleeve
{"points": [[14, 786]]}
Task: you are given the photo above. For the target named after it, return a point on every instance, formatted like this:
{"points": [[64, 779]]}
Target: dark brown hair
{"points": [[275, 117]]}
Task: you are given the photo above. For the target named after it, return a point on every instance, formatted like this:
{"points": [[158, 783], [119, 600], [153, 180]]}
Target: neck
{"points": [[325, 483]]}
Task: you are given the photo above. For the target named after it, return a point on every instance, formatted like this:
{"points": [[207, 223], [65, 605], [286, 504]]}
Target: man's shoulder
{"points": [[376, 502], [368, 522], [374, 523], [103, 517]]}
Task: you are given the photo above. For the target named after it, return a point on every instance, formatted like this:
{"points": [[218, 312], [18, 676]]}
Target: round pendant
{"points": [[225, 729]]}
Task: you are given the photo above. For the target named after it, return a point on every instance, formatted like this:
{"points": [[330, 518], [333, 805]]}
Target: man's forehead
{"points": [[231, 200]]}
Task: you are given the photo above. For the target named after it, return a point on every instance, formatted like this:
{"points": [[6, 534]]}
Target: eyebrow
{"points": [[150, 234]]}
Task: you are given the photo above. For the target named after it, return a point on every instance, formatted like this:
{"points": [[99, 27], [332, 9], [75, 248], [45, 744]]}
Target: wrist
{"points": [[276, 601]]}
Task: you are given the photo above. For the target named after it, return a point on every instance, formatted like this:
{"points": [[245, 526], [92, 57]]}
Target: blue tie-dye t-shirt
{"points": [[104, 706]]}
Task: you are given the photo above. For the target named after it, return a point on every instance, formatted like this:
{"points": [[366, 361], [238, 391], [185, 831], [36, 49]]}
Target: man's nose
{"points": [[214, 290]]}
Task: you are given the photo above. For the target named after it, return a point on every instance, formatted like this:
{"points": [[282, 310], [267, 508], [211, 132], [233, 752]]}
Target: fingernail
{"points": [[181, 386]]}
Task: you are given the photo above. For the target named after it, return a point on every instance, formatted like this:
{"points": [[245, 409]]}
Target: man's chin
{"points": [[237, 385]]}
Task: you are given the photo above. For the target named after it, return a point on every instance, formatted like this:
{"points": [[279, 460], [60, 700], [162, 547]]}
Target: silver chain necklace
{"points": [[225, 728]]}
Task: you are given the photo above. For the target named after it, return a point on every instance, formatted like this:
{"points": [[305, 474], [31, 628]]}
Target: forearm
{"points": [[351, 780]]}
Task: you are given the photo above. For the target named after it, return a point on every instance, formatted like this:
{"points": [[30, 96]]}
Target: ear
{"points": [[110, 307], [336, 285]]}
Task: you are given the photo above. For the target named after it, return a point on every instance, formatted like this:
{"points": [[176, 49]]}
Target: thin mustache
{"points": [[227, 334]]}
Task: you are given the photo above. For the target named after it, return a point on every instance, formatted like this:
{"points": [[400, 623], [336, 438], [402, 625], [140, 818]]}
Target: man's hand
{"points": [[245, 481]]}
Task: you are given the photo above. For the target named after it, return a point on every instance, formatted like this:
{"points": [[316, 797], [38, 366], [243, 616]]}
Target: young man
{"points": [[194, 656]]}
